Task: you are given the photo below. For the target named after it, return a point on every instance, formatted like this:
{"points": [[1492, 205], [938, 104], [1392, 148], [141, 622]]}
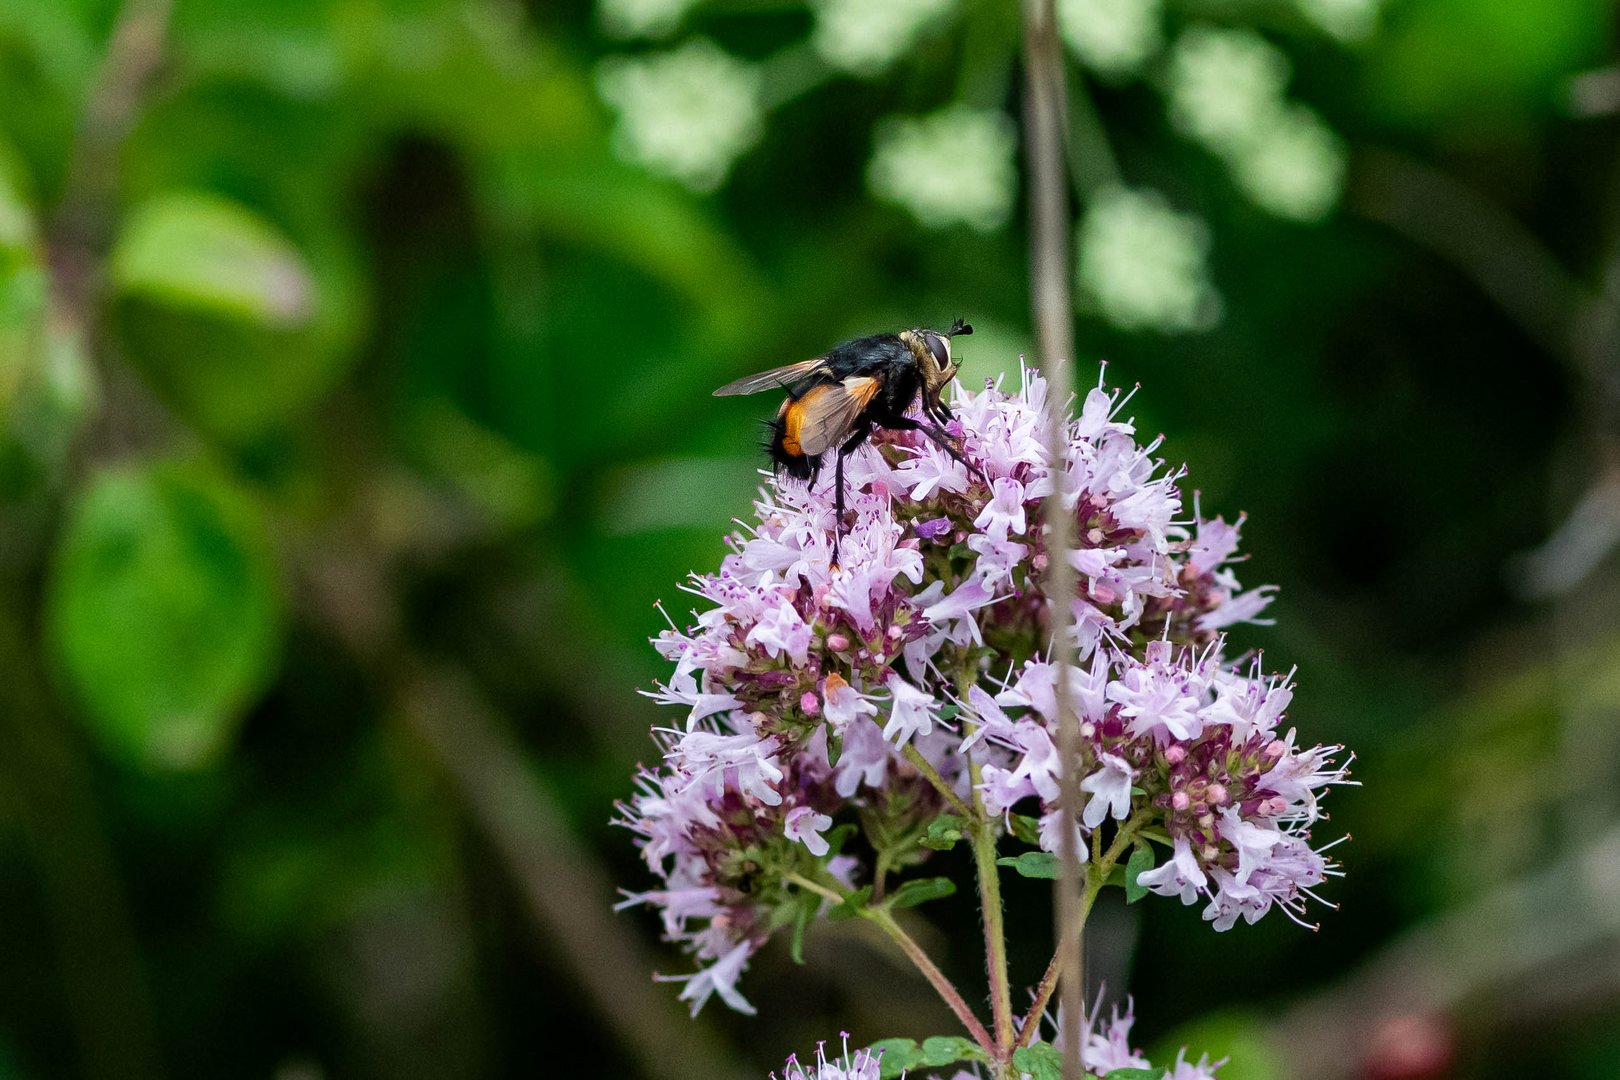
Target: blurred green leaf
{"points": [[944, 833], [839, 836], [45, 379], [210, 255], [22, 282], [803, 911], [851, 905], [896, 1056], [47, 56], [1025, 828], [949, 1049], [587, 197], [1035, 864], [164, 612], [920, 891], [223, 314], [1140, 862], [1041, 1061]]}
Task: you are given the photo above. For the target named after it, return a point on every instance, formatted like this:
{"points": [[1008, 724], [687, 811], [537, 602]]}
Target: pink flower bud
{"points": [[1216, 793], [1175, 754], [1180, 801], [837, 642], [809, 703]]}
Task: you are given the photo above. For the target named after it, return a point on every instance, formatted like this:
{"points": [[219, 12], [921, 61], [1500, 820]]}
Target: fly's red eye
{"points": [[940, 348]]}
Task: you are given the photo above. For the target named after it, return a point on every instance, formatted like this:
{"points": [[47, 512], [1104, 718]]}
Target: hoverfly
{"points": [[835, 400]]}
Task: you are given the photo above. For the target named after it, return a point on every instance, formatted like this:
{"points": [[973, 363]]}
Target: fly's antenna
{"points": [[959, 328]]}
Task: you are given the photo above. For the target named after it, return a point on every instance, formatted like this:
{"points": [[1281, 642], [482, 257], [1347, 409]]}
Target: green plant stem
{"points": [[816, 887], [983, 841], [914, 952], [936, 978], [932, 774], [1096, 877]]}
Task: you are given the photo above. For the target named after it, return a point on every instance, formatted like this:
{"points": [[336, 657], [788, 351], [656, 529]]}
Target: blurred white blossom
{"points": [[1294, 167], [1144, 265], [864, 37], [1112, 37], [953, 167], [1227, 91], [1347, 20], [688, 113], [641, 18], [1225, 85]]}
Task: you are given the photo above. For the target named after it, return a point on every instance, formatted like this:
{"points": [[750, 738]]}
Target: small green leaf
{"points": [[920, 891], [944, 833], [949, 712], [804, 909], [1040, 1060], [1140, 862], [1137, 1074], [1026, 828], [1035, 864], [164, 611], [22, 290], [835, 748], [851, 905], [204, 253], [235, 326], [949, 1049], [896, 1056], [838, 836]]}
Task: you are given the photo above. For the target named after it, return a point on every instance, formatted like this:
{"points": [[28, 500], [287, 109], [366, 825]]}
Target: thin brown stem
{"points": [[936, 978], [134, 51], [1045, 119], [914, 952]]}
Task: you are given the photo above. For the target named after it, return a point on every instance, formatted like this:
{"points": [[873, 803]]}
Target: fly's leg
{"points": [[939, 438], [849, 447]]}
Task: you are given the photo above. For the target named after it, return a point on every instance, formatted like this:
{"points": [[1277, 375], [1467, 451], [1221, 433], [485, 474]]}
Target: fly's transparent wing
{"points": [[775, 379]]}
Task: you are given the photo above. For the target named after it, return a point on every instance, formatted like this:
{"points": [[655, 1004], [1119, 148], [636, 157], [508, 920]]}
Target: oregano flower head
{"points": [[843, 723]]}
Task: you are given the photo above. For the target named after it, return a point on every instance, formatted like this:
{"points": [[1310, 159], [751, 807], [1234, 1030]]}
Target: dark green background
{"points": [[371, 415]]}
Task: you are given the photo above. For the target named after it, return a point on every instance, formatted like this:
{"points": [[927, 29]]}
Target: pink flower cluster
{"points": [[1107, 1048], [861, 1065], [816, 697]]}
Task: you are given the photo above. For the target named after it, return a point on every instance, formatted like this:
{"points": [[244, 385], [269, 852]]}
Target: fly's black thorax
{"points": [[886, 358]]}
